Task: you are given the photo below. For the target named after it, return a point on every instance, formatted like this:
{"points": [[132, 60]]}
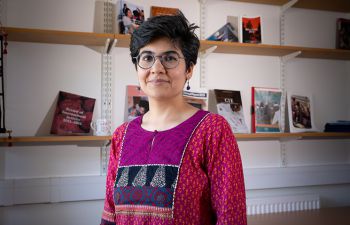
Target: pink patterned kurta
{"points": [[196, 180]]}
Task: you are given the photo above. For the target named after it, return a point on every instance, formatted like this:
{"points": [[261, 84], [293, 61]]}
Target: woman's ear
{"points": [[189, 71]]}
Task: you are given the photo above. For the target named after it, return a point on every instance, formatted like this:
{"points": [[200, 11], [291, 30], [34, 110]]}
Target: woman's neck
{"points": [[166, 115]]}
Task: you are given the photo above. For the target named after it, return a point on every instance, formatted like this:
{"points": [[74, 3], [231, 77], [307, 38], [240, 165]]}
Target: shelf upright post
{"points": [[202, 61], [283, 148], [106, 79]]}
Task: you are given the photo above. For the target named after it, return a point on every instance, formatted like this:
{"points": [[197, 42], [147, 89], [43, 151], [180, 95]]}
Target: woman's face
{"points": [[159, 82]]}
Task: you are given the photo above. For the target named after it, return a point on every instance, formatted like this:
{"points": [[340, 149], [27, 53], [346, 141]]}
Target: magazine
{"points": [[129, 16], [73, 114], [229, 105], [158, 11], [251, 30], [137, 102], [266, 113], [198, 98], [300, 113]]}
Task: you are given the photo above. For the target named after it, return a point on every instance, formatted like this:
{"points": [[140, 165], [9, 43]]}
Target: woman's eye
{"points": [[170, 58], [148, 58]]}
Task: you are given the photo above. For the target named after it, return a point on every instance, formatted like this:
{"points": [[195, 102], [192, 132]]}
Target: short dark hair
{"points": [[175, 27]]}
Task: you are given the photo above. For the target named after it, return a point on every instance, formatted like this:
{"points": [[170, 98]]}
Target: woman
{"points": [[175, 164]]}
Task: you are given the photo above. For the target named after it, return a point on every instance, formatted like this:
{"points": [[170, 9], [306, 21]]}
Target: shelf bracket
{"points": [[288, 5], [206, 52], [107, 43], [111, 46], [290, 56]]}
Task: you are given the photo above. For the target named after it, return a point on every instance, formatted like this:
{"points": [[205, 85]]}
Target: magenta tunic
{"points": [[190, 174]]}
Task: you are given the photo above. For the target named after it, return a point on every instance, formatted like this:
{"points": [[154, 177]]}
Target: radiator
{"points": [[275, 204]]}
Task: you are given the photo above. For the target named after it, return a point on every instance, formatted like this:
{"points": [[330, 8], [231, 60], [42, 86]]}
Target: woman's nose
{"points": [[157, 66]]}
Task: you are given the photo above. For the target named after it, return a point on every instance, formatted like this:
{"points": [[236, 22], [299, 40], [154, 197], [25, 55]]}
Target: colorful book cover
{"points": [[266, 113], [130, 16], [197, 98], [225, 33], [137, 102], [251, 30], [229, 105], [159, 11], [343, 33], [73, 114], [300, 113]]}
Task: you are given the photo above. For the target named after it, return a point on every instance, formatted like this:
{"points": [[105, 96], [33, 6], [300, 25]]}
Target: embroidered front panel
{"points": [[149, 168], [151, 187]]}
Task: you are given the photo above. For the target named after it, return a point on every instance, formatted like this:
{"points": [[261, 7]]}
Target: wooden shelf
{"points": [[96, 39], [37, 139], [331, 5], [308, 135], [274, 50], [56, 36], [257, 136]]}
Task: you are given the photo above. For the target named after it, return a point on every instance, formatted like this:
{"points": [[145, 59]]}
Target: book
{"points": [[337, 126], [251, 30], [235, 23], [158, 11], [129, 16], [73, 114], [343, 33], [300, 112], [266, 113], [137, 102], [224, 33], [229, 105], [197, 98]]}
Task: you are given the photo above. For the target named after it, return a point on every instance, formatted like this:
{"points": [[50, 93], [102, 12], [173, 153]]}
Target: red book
{"points": [[73, 114]]}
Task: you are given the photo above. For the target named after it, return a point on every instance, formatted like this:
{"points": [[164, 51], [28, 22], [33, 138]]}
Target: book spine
{"points": [[253, 111]]}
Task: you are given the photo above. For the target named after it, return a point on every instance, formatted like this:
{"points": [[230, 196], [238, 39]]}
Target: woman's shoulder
{"points": [[214, 122], [214, 119], [119, 131]]}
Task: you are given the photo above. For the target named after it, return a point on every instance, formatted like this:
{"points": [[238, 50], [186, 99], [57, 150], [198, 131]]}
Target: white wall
{"points": [[36, 72]]}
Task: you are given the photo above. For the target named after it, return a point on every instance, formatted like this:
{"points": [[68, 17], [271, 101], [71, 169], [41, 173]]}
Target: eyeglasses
{"points": [[169, 59]]}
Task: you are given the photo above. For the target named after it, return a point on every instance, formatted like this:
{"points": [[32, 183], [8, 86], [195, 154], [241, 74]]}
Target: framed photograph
{"points": [[300, 113]]}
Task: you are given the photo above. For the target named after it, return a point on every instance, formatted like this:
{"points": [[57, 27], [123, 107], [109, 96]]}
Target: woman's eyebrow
{"points": [[153, 53]]}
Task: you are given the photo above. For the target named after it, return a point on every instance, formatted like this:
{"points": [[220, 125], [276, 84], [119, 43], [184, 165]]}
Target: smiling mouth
{"points": [[158, 81]]}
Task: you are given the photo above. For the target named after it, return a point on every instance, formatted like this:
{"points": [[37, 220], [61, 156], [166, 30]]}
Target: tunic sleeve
{"points": [[225, 173], [108, 215]]}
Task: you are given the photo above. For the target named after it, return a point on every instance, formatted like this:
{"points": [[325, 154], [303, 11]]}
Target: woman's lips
{"points": [[158, 81]]}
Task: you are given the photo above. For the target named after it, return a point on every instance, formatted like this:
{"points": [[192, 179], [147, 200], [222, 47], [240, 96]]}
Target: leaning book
{"points": [[73, 114], [129, 17], [225, 33], [197, 98], [266, 113], [229, 105], [137, 102]]}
